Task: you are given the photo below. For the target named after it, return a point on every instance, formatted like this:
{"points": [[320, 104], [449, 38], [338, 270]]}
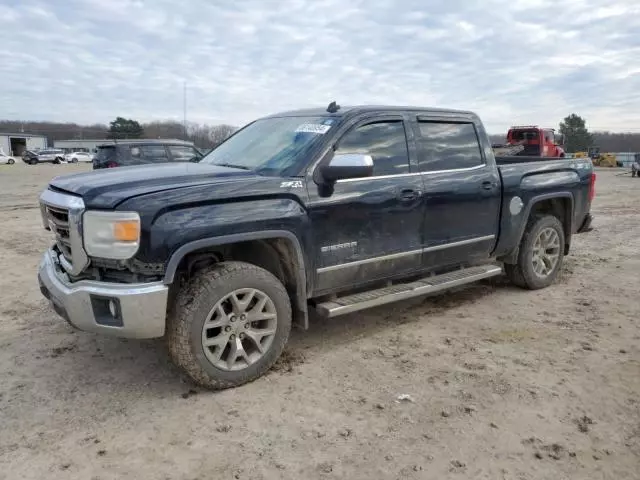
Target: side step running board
{"points": [[394, 293]]}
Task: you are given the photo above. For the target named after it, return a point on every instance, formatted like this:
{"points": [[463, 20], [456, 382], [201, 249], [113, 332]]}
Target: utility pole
{"points": [[184, 104]]}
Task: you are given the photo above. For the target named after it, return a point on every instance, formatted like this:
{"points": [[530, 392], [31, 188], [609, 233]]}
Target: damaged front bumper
{"points": [[117, 309]]}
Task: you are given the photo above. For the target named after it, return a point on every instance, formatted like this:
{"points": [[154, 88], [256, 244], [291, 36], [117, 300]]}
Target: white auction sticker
{"points": [[313, 128]]}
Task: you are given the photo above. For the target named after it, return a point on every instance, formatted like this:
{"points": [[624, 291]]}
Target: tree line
{"points": [[573, 127], [202, 135]]}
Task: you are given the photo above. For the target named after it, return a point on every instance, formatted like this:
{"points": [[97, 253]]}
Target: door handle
{"points": [[408, 194], [488, 185]]}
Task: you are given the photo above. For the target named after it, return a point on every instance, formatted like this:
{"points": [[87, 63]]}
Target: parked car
{"points": [[335, 210], [47, 155], [6, 159], [127, 153], [76, 157]]}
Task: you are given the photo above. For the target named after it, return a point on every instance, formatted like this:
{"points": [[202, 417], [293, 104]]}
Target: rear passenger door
{"points": [[462, 192], [369, 228]]}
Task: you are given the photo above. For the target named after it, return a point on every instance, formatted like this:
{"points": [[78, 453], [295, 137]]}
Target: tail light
{"points": [[592, 186], [112, 165]]}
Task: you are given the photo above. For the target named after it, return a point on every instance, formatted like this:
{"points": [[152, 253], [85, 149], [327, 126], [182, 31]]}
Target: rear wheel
{"points": [[541, 254], [633, 173], [11, 161], [229, 324]]}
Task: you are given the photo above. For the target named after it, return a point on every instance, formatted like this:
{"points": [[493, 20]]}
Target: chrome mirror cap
{"points": [[348, 165]]}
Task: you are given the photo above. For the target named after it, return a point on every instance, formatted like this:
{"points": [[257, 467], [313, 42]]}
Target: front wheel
{"points": [[541, 254], [11, 161], [229, 324]]}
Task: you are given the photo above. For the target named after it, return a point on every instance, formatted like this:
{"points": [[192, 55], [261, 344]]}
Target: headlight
{"points": [[113, 235]]}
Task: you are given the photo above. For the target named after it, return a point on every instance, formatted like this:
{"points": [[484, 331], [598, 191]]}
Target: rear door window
{"points": [[447, 146]]}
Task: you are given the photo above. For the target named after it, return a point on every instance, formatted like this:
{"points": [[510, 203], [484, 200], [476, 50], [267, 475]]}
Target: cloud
{"points": [[517, 61]]}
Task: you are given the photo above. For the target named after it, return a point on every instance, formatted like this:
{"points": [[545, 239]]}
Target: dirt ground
{"points": [[503, 383]]}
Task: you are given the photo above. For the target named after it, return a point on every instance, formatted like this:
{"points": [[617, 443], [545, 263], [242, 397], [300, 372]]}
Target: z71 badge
{"points": [[291, 184]]}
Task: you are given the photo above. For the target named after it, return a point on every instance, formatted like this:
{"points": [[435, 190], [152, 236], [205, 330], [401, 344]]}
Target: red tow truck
{"points": [[532, 141]]}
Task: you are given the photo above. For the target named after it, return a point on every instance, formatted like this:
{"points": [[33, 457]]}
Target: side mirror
{"points": [[560, 140], [347, 165]]}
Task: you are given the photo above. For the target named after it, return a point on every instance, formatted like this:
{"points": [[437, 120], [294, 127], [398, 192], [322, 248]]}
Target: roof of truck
{"points": [[358, 109]]}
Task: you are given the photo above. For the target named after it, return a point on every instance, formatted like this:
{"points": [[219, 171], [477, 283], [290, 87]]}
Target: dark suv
{"points": [[124, 153]]}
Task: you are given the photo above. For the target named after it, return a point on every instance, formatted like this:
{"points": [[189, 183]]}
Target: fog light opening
{"points": [[107, 311], [113, 309]]}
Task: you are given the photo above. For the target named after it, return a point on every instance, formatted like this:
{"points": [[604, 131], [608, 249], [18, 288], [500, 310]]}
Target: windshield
{"points": [[271, 146]]}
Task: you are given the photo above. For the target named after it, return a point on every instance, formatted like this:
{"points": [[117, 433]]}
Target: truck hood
{"points": [[108, 187]]}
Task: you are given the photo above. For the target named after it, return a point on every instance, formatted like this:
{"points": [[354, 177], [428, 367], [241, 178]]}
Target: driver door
{"points": [[369, 229]]}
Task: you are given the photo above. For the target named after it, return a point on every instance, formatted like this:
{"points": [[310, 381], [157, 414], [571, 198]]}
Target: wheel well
{"points": [[276, 255], [559, 208]]}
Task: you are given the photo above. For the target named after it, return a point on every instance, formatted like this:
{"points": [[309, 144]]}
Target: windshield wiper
{"points": [[230, 165]]}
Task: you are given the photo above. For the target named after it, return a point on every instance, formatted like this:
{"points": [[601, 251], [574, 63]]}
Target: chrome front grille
{"points": [[58, 220], [62, 214]]}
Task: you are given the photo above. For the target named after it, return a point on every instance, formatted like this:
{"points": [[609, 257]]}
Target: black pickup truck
{"points": [[333, 210]]}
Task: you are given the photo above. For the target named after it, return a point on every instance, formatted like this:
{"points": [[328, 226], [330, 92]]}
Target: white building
{"points": [[14, 144], [625, 158]]}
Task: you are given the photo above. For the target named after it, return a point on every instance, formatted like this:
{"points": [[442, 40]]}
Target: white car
{"points": [[6, 159], [76, 157]]}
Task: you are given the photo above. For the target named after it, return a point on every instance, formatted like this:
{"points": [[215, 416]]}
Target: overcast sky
{"points": [[515, 61]]}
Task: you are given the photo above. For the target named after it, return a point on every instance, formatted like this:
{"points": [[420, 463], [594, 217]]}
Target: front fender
{"points": [[184, 250], [302, 281], [173, 234], [167, 224]]}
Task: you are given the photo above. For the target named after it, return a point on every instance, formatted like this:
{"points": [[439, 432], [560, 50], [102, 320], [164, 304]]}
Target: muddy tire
{"points": [[541, 254], [229, 324]]}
